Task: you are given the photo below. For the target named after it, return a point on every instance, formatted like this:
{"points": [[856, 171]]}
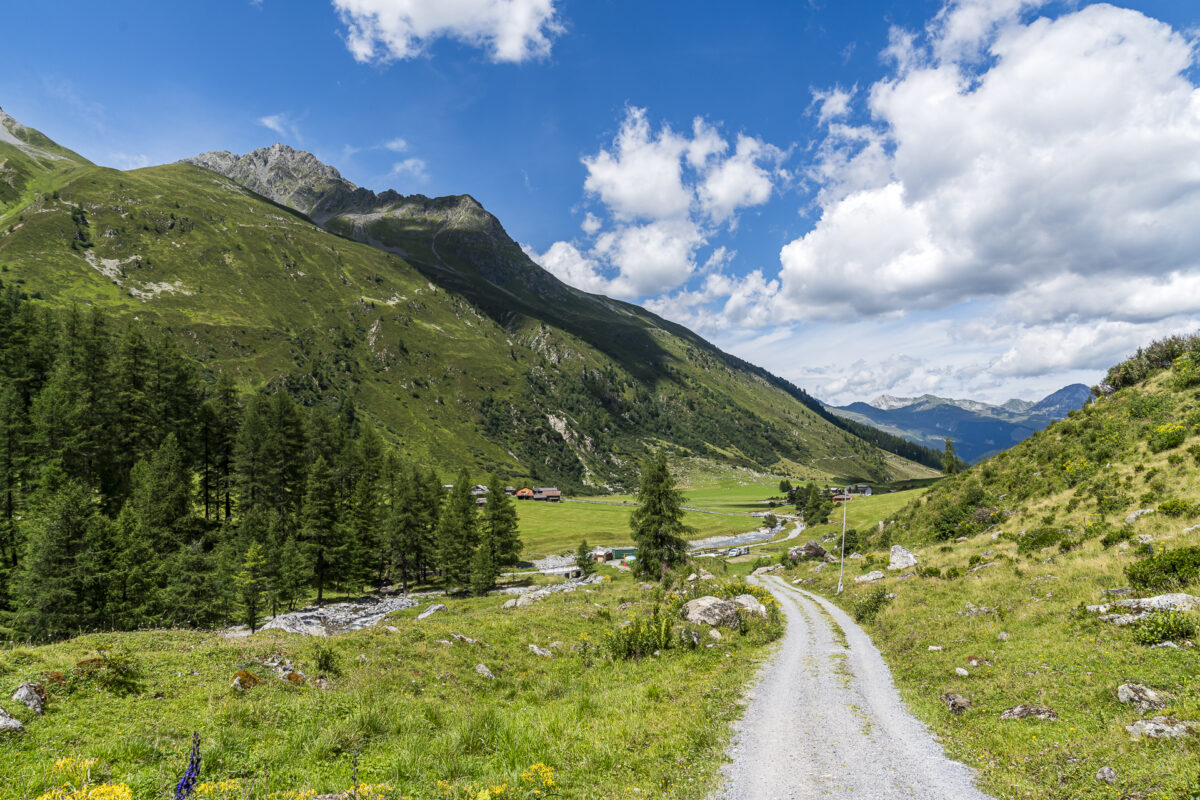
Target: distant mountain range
{"points": [[977, 429]]}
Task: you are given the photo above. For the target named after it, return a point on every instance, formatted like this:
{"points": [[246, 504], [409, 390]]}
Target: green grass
{"points": [[558, 527], [412, 708]]}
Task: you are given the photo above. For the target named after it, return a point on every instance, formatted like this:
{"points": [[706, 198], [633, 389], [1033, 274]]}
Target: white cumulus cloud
{"points": [[508, 30]]}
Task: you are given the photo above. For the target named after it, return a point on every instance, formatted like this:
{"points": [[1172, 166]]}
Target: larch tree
{"points": [[657, 523]]}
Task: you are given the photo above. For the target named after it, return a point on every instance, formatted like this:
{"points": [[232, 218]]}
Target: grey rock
{"points": [[540, 651], [870, 577], [693, 578], [935, 648], [1003, 636], [1145, 698], [810, 549], [1106, 775], [429, 612], [1137, 608], [33, 695], [526, 600], [1118, 592], [464, 639], [960, 672], [751, 604], [511, 602], [956, 702], [1136, 515], [9, 723], [819, 568], [714, 633], [327, 620], [483, 671], [766, 570], [1160, 728], [711, 611], [1143, 538], [1191, 528], [1026, 710], [902, 558]]}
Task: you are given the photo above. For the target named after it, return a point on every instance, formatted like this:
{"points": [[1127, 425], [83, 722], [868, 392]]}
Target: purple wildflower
{"points": [[183, 789]]}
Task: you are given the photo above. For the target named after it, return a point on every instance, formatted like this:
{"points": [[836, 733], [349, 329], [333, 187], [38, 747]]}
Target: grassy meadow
{"points": [[402, 708]]}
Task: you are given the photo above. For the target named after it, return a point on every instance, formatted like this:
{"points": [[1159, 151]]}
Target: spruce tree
{"points": [[483, 570], [583, 559], [499, 523], [657, 522], [251, 585], [457, 532]]}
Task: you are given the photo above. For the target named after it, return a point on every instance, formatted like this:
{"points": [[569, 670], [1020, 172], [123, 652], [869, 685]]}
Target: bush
{"points": [[1165, 626], [1116, 535], [952, 573], [1038, 538], [1169, 569], [1164, 437], [1176, 508], [868, 606], [640, 638], [327, 661]]}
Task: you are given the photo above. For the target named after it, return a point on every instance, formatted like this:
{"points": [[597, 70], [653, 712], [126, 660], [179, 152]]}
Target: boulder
{"points": [[767, 570], [705, 575], [902, 558], [526, 600], [751, 604], [433, 609], [1136, 515], [540, 651], [956, 702], [870, 577], [484, 672], [510, 602], [1106, 775], [811, 549], [693, 578], [1145, 698], [711, 611], [1026, 711], [714, 633], [1132, 609], [1160, 728], [819, 567], [33, 695], [9, 723], [960, 672]]}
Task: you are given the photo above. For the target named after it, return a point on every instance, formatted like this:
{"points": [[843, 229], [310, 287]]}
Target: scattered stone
{"points": [[526, 600], [1137, 608], [693, 578], [1171, 645], [1143, 538], [9, 723], [855, 557], [766, 570], [961, 539], [956, 702], [819, 568], [33, 695], [1025, 711], [243, 681], [1136, 515], [935, 648], [511, 602], [751, 604], [711, 611], [996, 535], [976, 661], [1160, 728], [334, 618], [322, 684], [1003, 636], [1145, 698], [482, 670], [429, 612], [870, 577], [960, 672], [540, 651], [902, 558], [705, 575], [714, 633], [445, 642], [973, 610], [1192, 528], [984, 565], [1106, 775], [906, 576], [464, 639], [647, 587], [1119, 591]]}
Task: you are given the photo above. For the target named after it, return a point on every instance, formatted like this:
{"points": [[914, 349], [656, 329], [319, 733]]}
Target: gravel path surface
{"points": [[826, 721]]}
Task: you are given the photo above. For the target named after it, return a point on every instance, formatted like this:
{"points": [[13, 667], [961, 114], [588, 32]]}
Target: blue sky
{"points": [[980, 198]]}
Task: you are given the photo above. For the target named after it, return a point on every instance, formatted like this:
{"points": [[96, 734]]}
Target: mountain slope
{"points": [[977, 429], [462, 350]]}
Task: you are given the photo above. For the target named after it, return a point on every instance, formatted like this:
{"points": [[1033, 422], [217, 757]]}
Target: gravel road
{"points": [[826, 721]]}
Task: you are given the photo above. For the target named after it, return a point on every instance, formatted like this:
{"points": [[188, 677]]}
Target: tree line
{"points": [[138, 489]]}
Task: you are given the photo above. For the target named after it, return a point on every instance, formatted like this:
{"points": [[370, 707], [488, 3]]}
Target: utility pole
{"points": [[842, 565]]}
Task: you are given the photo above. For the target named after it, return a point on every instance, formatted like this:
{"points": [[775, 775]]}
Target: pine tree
{"points": [[251, 585], [483, 570], [220, 418], [950, 461], [13, 428], [320, 523], [500, 524], [457, 532], [583, 559], [657, 522], [250, 456]]}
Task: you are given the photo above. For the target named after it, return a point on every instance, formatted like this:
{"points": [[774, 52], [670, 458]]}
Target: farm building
{"points": [[548, 494], [602, 554], [620, 553], [525, 494]]}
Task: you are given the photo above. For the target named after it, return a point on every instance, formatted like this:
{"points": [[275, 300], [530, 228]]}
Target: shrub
{"points": [[1165, 626], [1185, 372], [1116, 535], [952, 573], [327, 660], [929, 572], [1164, 437], [1169, 569], [639, 638], [868, 606], [1038, 538], [1176, 508]]}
